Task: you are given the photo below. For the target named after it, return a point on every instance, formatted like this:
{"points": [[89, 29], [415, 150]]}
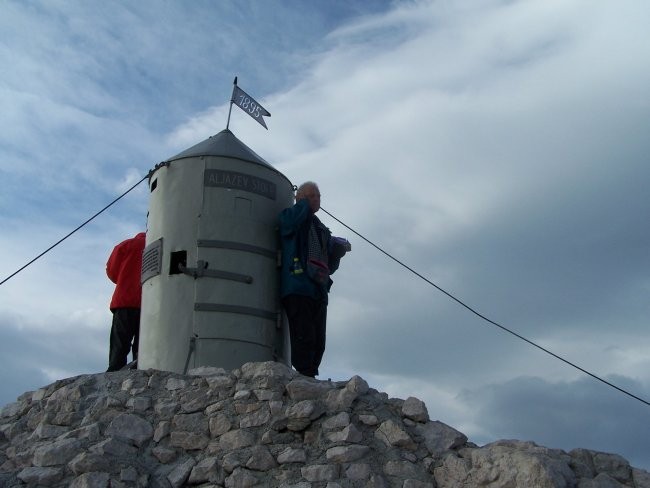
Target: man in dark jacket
{"points": [[309, 255], [123, 268]]}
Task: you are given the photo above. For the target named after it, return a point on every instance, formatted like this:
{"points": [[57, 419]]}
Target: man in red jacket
{"points": [[123, 268]]}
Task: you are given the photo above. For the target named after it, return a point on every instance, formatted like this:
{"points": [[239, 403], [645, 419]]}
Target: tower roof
{"points": [[222, 144]]}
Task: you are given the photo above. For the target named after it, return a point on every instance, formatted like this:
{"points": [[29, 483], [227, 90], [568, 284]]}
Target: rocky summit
{"points": [[264, 425]]}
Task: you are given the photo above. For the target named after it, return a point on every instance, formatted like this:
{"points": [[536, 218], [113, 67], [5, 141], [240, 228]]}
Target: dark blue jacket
{"points": [[294, 235]]}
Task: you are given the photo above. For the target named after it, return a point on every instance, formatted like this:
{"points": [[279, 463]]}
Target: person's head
{"points": [[309, 191]]}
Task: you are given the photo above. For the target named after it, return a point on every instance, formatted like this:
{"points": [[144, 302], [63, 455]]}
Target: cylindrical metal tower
{"points": [[210, 268]]}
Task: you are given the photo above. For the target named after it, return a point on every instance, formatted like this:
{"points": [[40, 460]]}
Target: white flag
{"points": [[249, 105]]}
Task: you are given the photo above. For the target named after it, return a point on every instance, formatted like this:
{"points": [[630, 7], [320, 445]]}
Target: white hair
{"points": [[305, 185]]}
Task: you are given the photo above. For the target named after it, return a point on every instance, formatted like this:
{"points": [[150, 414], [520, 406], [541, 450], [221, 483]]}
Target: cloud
{"points": [[497, 148], [35, 357], [493, 169], [553, 414]]}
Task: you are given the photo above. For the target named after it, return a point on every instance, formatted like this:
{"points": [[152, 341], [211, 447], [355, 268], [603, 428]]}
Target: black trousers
{"points": [[125, 333], [307, 318]]}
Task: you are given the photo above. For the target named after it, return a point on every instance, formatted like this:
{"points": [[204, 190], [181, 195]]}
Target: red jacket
{"points": [[123, 268]]}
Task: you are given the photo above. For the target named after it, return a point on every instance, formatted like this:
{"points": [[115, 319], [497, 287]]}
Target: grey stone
{"points": [[515, 463], [206, 470], [303, 388], [266, 369], [275, 406], [132, 382], [195, 401], [216, 407], [91, 480], [166, 408], [261, 459], [320, 472], [220, 382], [292, 455], [207, 371], [174, 384], [454, 471], [415, 409], [87, 462], [245, 408], [65, 417], [641, 478], [44, 476], [95, 430], [114, 447], [302, 413], [255, 419], [439, 437], [346, 454], [312, 437], [368, 419], [613, 465], [302, 409], [162, 430], [409, 456], [336, 422], [402, 469], [264, 395], [91, 432], [242, 395], [13, 409], [378, 481], [192, 422], [348, 434], [164, 454], [219, 425], [129, 474], [391, 434], [131, 427], [416, 484], [236, 439], [181, 472], [57, 452], [582, 463], [338, 400], [47, 431], [600, 481], [189, 441], [233, 460], [358, 471], [241, 478], [139, 404], [38, 395]]}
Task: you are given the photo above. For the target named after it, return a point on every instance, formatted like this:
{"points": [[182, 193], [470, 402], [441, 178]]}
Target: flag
{"points": [[249, 105]]}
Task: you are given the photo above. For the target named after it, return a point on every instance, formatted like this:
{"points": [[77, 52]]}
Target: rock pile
{"points": [[264, 425]]}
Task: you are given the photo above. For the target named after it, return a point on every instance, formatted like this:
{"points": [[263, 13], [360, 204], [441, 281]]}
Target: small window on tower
{"points": [[177, 259], [154, 184]]}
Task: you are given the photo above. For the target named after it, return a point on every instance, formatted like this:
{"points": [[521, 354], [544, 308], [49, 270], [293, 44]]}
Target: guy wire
{"points": [[483, 316], [69, 234], [460, 302]]}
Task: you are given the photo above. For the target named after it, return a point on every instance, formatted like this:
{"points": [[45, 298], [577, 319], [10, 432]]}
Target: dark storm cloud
{"points": [[498, 148], [582, 413]]}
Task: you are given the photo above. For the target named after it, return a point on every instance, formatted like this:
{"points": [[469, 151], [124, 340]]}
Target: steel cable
{"points": [[460, 302], [505, 329], [70, 233]]}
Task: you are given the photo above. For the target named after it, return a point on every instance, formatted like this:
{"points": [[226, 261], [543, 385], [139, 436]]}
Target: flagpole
{"points": [[230, 109], [248, 104]]}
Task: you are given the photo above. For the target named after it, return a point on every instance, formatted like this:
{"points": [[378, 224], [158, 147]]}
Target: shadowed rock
{"points": [[264, 425]]}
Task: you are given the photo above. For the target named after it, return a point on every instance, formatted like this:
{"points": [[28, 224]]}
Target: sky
{"points": [[497, 147]]}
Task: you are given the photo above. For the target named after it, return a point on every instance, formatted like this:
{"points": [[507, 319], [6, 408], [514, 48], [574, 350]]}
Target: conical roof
{"points": [[222, 144]]}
